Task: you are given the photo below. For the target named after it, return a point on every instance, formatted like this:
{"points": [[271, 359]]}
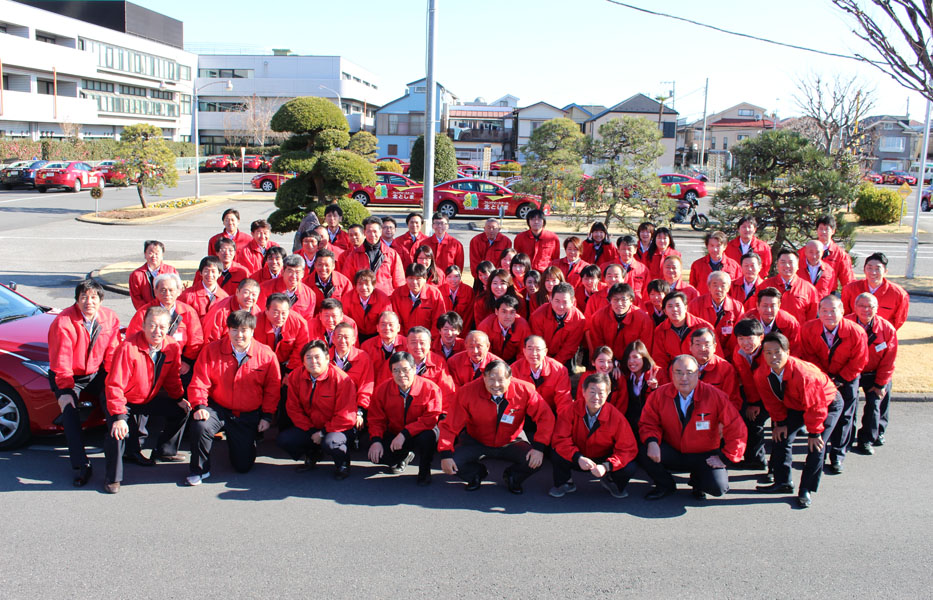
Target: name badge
{"points": [[881, 346], [727, 330], [178, 336], [508, 419], [702, 425]]}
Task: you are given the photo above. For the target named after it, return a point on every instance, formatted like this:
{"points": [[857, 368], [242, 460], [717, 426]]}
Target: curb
{"points": [[912, 397], [95, 275], [208, 201]]}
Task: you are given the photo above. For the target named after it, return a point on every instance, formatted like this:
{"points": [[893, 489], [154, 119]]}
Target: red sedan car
{"points": [[107, 168], [255, 163], [221, 162], [269, 182], [898, 178], [404, 164], [390, 188], [467, 168], [683, 187], [872, 177], [502, 165], [74, 176], [27, 405], [481, 197]]}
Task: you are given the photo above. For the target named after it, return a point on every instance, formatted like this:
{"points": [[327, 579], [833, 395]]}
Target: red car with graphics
{"points": [[108, 168], [390, 188], [255, 163], [221, 162], [71, 175], [898, 178], [269, 182], [683, 187], [482, 197], [465, 167]]}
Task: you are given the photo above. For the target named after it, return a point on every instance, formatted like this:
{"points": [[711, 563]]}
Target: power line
{"points": [[738, 34]]}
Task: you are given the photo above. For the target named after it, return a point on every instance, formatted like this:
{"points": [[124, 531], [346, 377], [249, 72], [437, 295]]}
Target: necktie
{"points": [[830, 338], [475, 371], [620, 321], [560, 322], [777, 385], [292, 298], [715, 266], [366, 308], [507, 335], [537, 379], [415, 303], [787, 286], [406, 399], [826, 252], [870, 332], [277, 338], [681, 331], [311, 395], [225, 277], [327, 288], [387, 352], [422, 368]]}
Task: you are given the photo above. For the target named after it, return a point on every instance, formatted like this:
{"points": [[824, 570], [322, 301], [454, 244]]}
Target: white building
{"points": [[262, 83], [62, 74]]}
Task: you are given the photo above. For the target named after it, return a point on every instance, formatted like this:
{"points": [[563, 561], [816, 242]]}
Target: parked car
{"points": [[21, 173], [108, 168], [465, 167], [925, 199], [221, 162], [872, 177], [898, 178], [255, 163], [404, 164], [683, 187], [74, 175], [500, 165], [482, 197], [269, 182], [390, 188], [27, 404]]}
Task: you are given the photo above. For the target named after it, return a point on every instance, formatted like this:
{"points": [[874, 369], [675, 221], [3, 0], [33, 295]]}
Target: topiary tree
{"points": [[353, 212], [389, 165], [365, 144], [146, 159], [314, 152], [445, 159], [553, 162]]}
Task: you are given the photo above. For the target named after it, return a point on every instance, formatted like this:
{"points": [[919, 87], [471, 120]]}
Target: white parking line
{"points": [[96, 238]]}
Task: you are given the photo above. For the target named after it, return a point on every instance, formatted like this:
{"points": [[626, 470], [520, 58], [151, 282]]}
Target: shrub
{"points": [[510, 169], [877, 206], [353, 212], [389, 165], [252, 150], [284, 221]]}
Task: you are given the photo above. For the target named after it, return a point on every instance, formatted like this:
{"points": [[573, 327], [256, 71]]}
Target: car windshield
{"points": [[56, 166], [13, 306]]}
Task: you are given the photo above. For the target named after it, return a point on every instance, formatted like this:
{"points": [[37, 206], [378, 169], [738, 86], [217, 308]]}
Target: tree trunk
{"points": [[319, 188], [142, 197]]}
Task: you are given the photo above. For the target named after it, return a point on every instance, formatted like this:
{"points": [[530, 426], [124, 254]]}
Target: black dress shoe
{"points": [[309, 463], [776, 488], [401, 466], [137, 458], [657, 493], [864, 448], [766, 478], [474, 484], [835, 467], [342, 472], [698, 494], [168, 458], [513, 486], [82, 476], [803, 499], [424, 479], [753, 464], [879, 441]]}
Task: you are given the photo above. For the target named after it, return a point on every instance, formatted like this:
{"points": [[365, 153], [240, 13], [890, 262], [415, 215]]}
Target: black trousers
{"points": [[137, 419], [297, 443], [875, 418], [703, 477], [563, 470], [423, 445], [469, 453], [241, 438], [755, 447], [92, 388], [782, 456], [843, 432]]}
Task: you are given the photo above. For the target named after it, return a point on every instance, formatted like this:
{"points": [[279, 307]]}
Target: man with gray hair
{"points": [[488, 245], [816, 270], [300, 296], [468, 365]]}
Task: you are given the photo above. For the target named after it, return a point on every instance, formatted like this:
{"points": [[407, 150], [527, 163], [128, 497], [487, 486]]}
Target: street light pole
{"points": [[429, 118], [197, 137], [914, 241], [339, 99]]}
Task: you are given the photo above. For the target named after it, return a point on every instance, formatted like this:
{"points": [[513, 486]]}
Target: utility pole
{"points": [[673, 95], [703, 142], [429, 118], [914, 241]]}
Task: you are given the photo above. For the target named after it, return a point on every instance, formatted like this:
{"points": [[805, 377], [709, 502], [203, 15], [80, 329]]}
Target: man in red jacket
{"points": [[283, 330], [714, 370], [798, 296], [797, 396], [487, 245], [550, 378], [506, 329], [714, 261], [142, 291], [416, 303], [487, 417], [403, 416], [636, 273], [365, 304], [231, 231], [672, 337], [231, 272], [816, 270], [377, 256], [690, 425], [561, 325], [333, 216], [881, 338], [447, 249], [406, 244], [746, 242], [250, 256], [235, 389], [144, 381], [428, 364], [322, 405], [468, 365], [326, 282], [839, 348], [82, 341], [719, 309], [593, 436], [744, 289], [833, 254], [202, 295], [773, 318], [355, 363], [541, 246], [893, 301], [300, 296], [746, 359], [214, 323], [620, 323]]}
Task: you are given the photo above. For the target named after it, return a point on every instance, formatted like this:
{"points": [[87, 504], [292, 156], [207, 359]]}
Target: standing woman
{"points": [[641, 378], [425, 256], [518, 268], [458, 296], [662, 246], [500, 284], [597, 248], [645, 235], [571, 264]]}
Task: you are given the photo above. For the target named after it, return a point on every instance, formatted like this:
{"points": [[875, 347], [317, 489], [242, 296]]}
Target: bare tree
{"points": [[258, 111], [70, 131], [906, 59], [832, 108]]}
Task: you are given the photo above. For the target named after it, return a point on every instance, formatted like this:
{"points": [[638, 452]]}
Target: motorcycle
{"points": [[686, 213]]}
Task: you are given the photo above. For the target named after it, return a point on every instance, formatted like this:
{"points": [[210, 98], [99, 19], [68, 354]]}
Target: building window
{"points": [[892, 144], [712, 143], [2, 28], [100, 86], [393, 125], [130, 61], [421, 89], [669, 129], [132, 90], [746, 112], [46, 87], [184, 72], [741, 137], [392, 149], [220, 106], [6, 82], [185, 104], [162, 94], [226, 73], [725, 142], [45, 37], [345, 108], [889, 126], [535, 125]]}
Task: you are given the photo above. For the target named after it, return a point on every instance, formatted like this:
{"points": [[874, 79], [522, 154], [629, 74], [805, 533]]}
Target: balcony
{"points": [[458, 134]]}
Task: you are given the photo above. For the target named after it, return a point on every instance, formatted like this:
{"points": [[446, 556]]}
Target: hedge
{"points": [[260, 150], [90, 150], [877, 206]]}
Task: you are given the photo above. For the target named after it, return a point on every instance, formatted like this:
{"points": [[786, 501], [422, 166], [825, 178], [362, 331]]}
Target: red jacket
{"points": [[882, 349], [507, 350], [562, 342], [447, 252], [430, 307], [723, 321], [438, 348], [262, 275], [660, 421], [594, 303], [784, 323], [617, 395], [480, 311], [688, 290], [69, 340], [360, 371], [801, 300], [461, 303], [762, 249], [316, 330], [723, 376], [305, 305], [825, 277], [389, 275], [378, 355], [584, 298], [666, 345], [654, 265], [434, 369], [553, 382], [250, 256], [461, 368], [747, 300], [806, 389], [608, 256], [292, 338], [849, 352], [331, 409], [186, 330], [571, 272], [611, 437], [214, 323], [604, 330], [893, 301], [405, 246], [198, 298], [541, 250], [637, 276], [141, 290], [701, 269], [336, 288], [242, 239], [228, 280], [745, 368], [475, 412], [131, 376], [387, 414], [366, 318], [253, 385], [481, 249], [341, 240], [839, 260]]}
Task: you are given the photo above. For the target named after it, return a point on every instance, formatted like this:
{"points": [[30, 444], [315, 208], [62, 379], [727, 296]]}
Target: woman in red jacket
{"points": [[458, 296], [598, 248], [425, 256], [519, 267], [662, 246], [500, 284]]}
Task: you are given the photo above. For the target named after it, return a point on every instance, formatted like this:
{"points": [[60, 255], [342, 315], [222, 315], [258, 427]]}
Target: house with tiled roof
{"points": [[642, 106], [527, 119], [724, 129], [890, 142]]}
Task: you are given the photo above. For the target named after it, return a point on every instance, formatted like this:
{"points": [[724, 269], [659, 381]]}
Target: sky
{"points": [[561, 51]]}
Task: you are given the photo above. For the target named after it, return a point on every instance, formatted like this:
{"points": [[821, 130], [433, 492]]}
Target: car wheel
{"points": [[42, 189], [228, 169], [267, 185], [101, 183], [699, 222], [77, 187], [523, 210], [448, 209], [362, 198], [690, 196], [14, 419], [925, 205], [7, 186]]}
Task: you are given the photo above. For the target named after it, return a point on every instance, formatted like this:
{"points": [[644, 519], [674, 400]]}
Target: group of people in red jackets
{"points": [[597, 355]]}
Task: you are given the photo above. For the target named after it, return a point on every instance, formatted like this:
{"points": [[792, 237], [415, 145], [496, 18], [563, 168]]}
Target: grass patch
{"points": [[912, 373]]}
